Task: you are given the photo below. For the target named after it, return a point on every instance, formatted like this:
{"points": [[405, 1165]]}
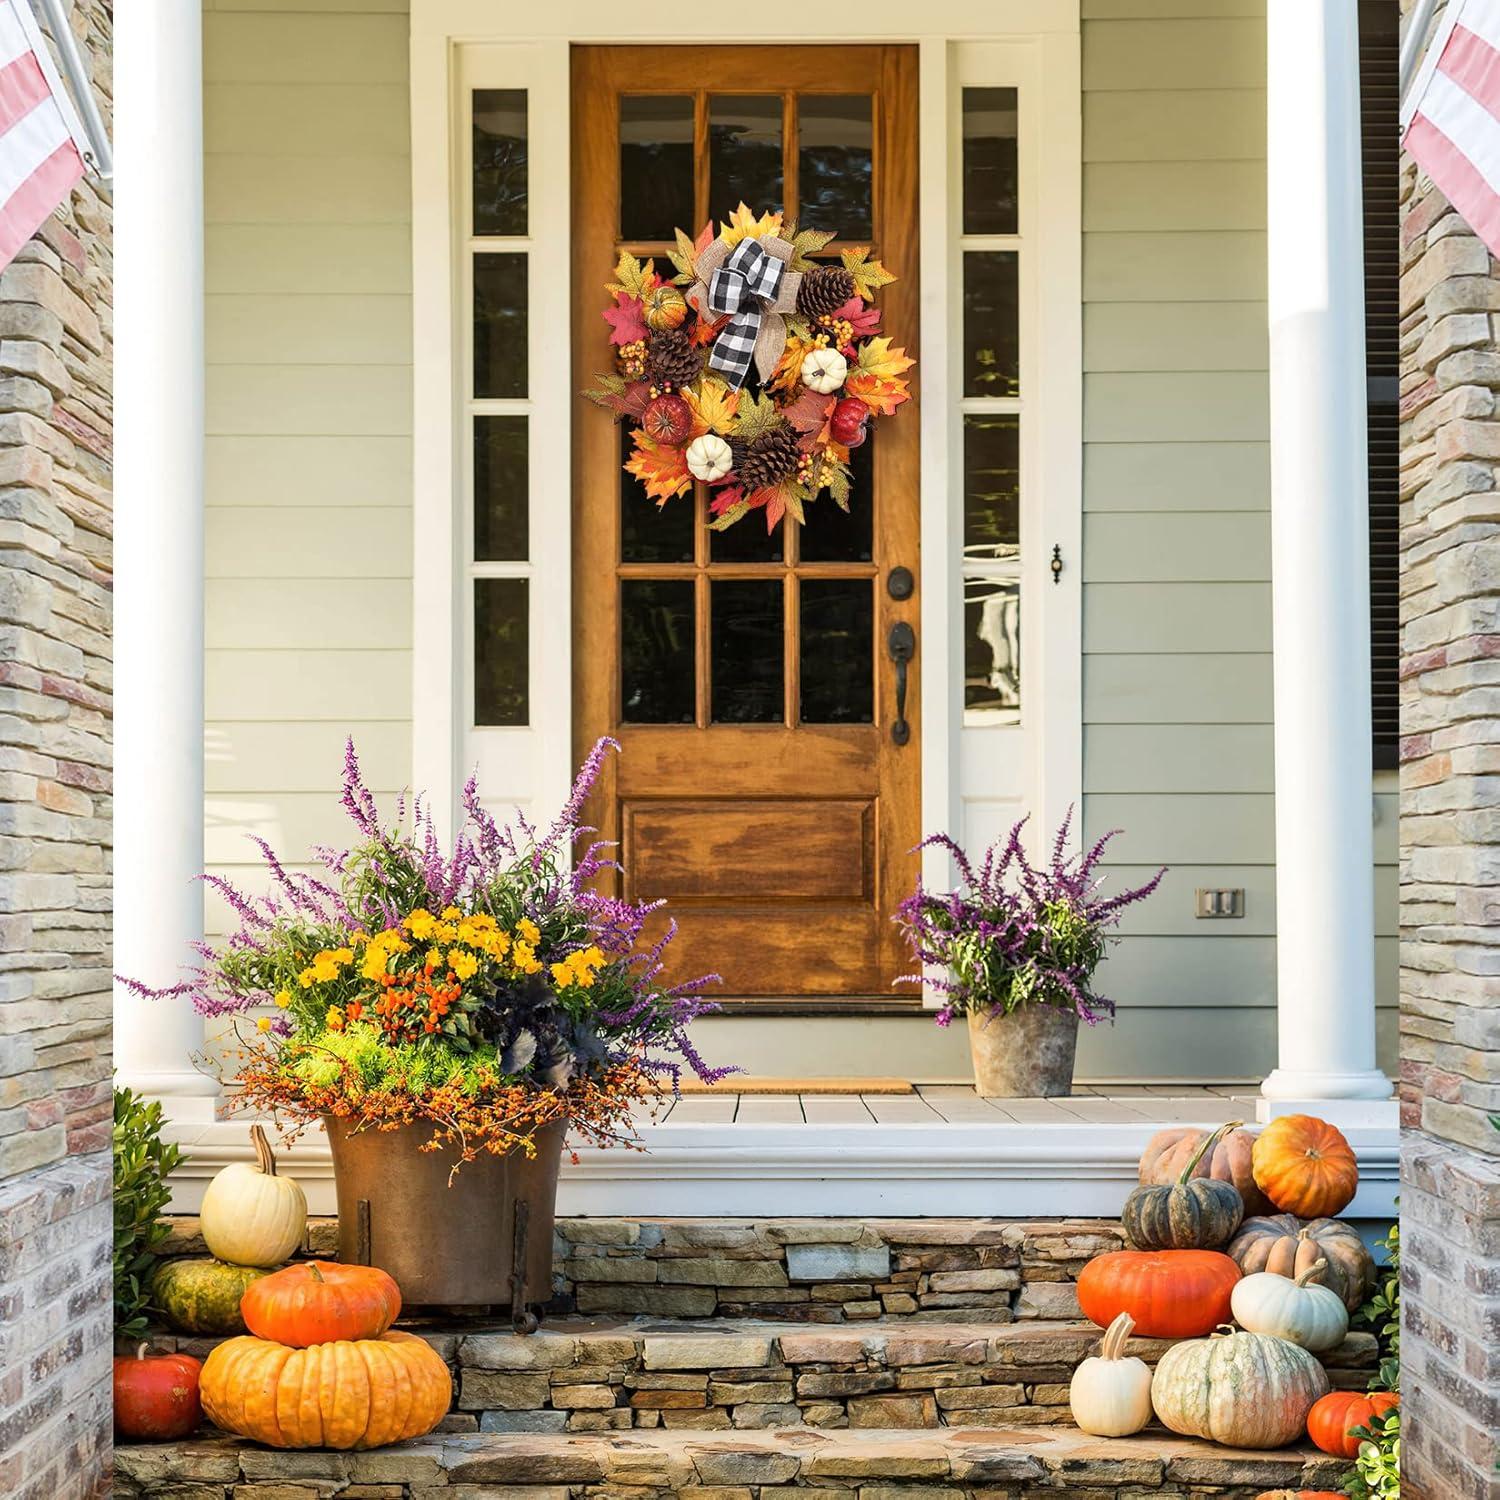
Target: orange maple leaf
{"points": [[662, 469]]}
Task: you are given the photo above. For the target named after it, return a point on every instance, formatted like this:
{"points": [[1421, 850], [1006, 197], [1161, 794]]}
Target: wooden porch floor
{"points": [[952, 1104]]}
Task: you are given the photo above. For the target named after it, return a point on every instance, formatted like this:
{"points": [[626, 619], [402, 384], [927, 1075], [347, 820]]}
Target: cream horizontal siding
{"points": [[308, 245], [1176, 567]]}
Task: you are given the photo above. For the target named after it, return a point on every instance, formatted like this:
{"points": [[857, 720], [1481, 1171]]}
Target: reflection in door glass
{"points": [[835, 163], [990, 161], [657, 673], [747, 652], [650, 533], [992, 486], [500, 489], [992, 645], [992, 338], [499, 325], [499, 138], [656, 165], [837, 650], [501, 651], [834, 535], [744, 153]]}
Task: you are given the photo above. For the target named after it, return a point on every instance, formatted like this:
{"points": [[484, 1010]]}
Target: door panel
{"points": [[748, 677]]}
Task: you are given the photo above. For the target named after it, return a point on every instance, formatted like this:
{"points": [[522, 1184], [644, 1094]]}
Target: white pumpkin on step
{"points": [[250, 1216], [1301, 1311], [1111, 1393]]}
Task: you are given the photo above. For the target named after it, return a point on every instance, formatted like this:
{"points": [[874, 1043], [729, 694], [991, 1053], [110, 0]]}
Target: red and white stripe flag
{"points": [[1451, 117], [39, 132]]}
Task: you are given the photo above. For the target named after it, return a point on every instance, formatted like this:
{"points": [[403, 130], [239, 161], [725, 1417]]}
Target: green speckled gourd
{"points": [[1246, 1390], [201, 1295], [1193, 1213]]}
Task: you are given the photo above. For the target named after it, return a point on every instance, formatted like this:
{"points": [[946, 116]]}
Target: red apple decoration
{"points": [[668, 419], [847, 424], [156, 1396]]}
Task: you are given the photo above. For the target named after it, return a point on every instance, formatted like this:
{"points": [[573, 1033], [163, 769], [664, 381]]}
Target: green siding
{"points": [[1176, 565]]}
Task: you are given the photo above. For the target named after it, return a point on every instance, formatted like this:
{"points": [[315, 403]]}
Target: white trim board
{"points": [[1005, 1170]]}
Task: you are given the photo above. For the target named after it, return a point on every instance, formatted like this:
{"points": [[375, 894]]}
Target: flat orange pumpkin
{"points": [[1305, 1166], [1171, 1294], [350, 1394], [321, 1302]]}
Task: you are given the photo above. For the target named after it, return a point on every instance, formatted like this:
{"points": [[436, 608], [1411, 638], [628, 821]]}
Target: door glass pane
{"points": [[747, 541], [657, 630], [656, 166], [648, 533], [744, 153], [499, 161], [992, 339], [835, 163], [837, 650], [501, 666], [499, 325], [747, 651], [834, 535], [990, 161], [992, 645], [500, 489], [992, 490]]}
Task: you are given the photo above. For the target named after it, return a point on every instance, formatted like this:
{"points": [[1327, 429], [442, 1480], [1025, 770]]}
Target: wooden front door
{"points": [[762, 789]]}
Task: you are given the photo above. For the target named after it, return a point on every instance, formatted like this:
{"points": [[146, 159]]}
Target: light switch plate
{"points": [[1224, 902]]}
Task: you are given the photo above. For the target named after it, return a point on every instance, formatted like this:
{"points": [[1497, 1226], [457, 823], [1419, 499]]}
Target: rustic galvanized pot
{"points": [[1027, 1054], [483, 1242]]}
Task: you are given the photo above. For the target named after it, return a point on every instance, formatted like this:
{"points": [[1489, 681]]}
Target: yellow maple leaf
{"points": [[788, 372], [877, 356], [869, 275], [663, 470], [743, 225], [713, 405], [631, 277]]}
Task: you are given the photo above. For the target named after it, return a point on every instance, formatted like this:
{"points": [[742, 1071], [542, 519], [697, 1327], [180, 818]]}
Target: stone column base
{"points": [[1450, 1321]]}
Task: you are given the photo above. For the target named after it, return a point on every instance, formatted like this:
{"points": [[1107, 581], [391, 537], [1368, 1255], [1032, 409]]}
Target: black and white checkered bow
{"points": [[747, 284]]}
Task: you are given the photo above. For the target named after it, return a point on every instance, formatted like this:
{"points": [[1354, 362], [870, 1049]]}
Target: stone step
{"points": [[871, 1464], [591, 1374]]}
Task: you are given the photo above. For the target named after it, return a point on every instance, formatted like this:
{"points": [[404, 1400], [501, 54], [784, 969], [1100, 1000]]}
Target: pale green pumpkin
{"points": [[1246, 1390]]}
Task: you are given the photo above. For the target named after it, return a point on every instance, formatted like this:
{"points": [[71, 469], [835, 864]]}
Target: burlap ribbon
{"points": [[752, 285]]}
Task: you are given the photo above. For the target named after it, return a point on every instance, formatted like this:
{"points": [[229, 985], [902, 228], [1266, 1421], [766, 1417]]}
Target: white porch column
{"points": [[159, 542], [1325, 925]]}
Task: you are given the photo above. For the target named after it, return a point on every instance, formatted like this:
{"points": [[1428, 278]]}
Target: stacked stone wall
{"points": [[1450, 851], [55, 1105]]}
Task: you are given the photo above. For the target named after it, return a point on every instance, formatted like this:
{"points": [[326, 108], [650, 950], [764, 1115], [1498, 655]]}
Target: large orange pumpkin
{"points": [[1226, 1160], [1305, 1166], [350, 1394], [1171, 1294], [320, 1303], [1333, 1417]]}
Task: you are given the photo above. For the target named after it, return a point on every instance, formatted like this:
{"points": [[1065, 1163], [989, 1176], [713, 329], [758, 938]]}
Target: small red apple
{"points": [[668, 419], [847, 424], [156, 1396]]}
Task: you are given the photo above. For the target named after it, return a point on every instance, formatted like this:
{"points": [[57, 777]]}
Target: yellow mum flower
{"points": [[334, 1020], [523, 956], [420, 924], [263, 1023], [562, 974], [528, 930], [464, 964], [283, 998], [451, 914], [305, 979]]}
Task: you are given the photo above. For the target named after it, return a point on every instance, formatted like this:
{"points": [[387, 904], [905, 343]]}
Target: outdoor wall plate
{"points": [[1228, 902]]}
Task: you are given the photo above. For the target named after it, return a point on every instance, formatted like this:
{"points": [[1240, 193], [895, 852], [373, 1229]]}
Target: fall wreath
{"points": [[754, 370]]}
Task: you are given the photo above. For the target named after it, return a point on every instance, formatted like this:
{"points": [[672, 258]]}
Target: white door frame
{"points": [[1038, 50]]}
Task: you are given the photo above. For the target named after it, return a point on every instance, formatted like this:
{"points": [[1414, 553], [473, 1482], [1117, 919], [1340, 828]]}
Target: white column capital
{"points": [[1325, 938]]}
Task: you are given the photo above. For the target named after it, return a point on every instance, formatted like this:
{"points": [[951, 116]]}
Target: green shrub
{"points": [[142, 1164], [1377, 1469]]}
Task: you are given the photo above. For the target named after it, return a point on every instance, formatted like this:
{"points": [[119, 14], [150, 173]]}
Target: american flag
{"points": [[39, 156], [1451, 116]]}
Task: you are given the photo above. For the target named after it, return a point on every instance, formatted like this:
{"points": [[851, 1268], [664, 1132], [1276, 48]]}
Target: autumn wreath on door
{"points": [[754, 370]]}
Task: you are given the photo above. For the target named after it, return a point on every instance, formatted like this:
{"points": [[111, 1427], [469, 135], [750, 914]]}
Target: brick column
{"points": [[1450, 851], [55, 720]]}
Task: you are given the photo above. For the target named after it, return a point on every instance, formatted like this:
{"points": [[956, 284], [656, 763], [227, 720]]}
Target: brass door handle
{"points": [[901, 644]]}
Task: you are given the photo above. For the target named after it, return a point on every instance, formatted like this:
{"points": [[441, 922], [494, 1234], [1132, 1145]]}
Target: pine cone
{"points": [[824, 290], [672, 358], [768, 459]]}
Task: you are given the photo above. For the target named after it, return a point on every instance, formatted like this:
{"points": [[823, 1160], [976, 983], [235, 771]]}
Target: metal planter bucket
{"points": [[483, 1243], [1027, 1054]]}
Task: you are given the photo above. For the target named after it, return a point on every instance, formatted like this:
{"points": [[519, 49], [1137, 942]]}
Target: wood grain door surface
{"points": [[747, 677]]}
